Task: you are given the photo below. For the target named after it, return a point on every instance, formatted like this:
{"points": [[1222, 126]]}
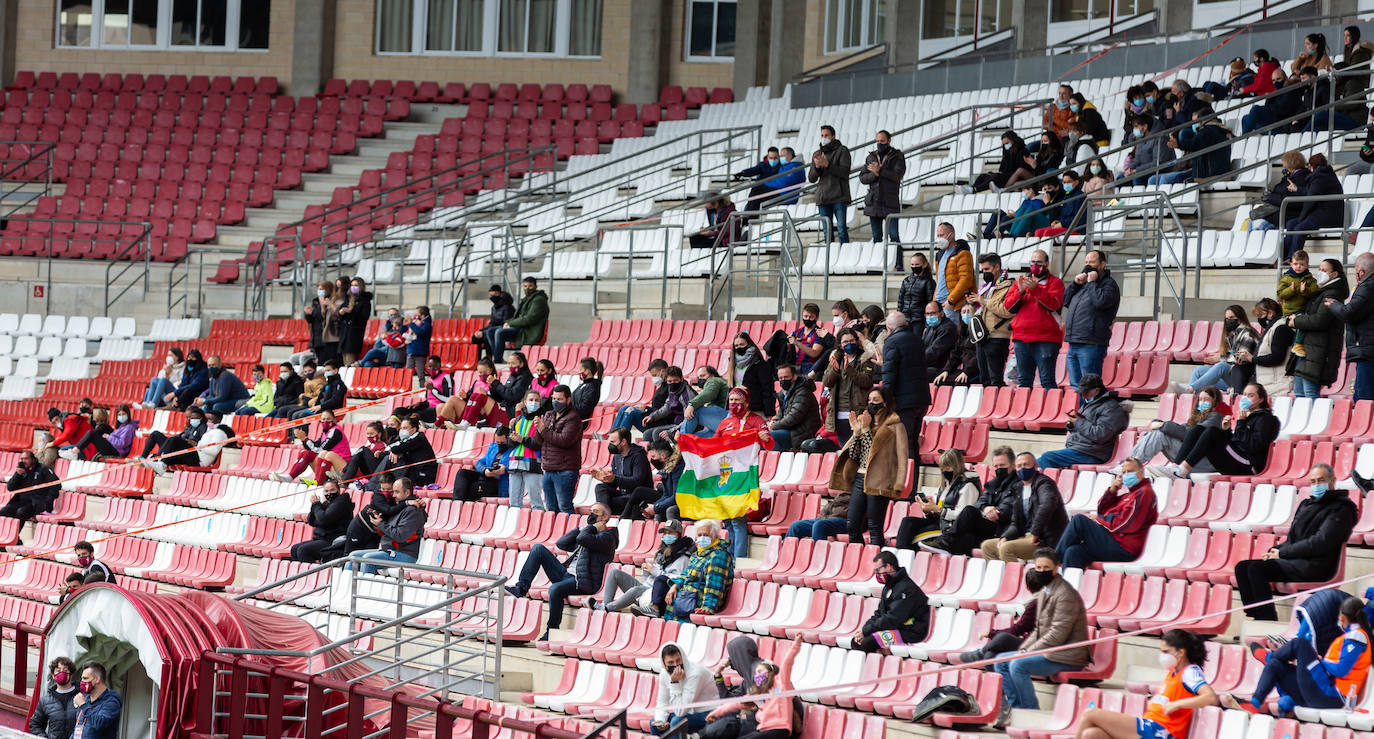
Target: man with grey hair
{"points": [[704, 584], [904, 373], [1311, 552], [1116, 533], [1358, 316]]}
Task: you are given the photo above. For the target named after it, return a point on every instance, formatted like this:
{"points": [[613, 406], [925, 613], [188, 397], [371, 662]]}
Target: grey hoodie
{"points": [[697, 684]]}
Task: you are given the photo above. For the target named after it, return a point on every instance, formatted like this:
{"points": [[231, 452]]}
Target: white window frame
{"points": [[232, 20], [715, 16], [868, 12], [491, 29]]}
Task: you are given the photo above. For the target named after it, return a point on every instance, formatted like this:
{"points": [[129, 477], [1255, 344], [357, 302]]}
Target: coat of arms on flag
{"points": [[720, 478]]}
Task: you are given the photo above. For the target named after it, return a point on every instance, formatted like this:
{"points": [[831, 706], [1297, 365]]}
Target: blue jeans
{"points": [[561, 582], [158, 387], [782, 440], [1342, 121], [875, 224], [1086, 541], [1031, 355], [1066, 458], [833, 213], [629, 417], [1364, 381], [1258, 117], [1083, 359], [695, 723], [1305, 388], [385, 555], [1016, 678], [704, 421], [739, 535], [374, 357], [223, 406], [819, 529], [247, 410], [1170, 178], [497, 338], [559, 489], [1218, 374]]}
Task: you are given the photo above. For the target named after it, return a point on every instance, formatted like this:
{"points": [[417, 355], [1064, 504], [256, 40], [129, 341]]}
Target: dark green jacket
{"points": [[530, 317]]}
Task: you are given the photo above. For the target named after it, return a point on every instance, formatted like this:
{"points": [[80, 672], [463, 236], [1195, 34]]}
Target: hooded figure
{"points": [[689, 683], [743, 652]]}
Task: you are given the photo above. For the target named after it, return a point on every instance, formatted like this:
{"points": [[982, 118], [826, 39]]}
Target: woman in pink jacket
{"points": [[774, 718]]}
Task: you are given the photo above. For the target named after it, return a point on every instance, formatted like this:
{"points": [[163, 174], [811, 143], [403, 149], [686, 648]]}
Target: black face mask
{"points": [[916, 270], [989, 277], [873, 408], [883, 148], [1044, 577], [786, 385], [657, 463], [614, 448], [495, 298], [741, 353], [675, 387], [947, 474], [1232, 324], [503, 445], [1003, 473], [700, 383], [1088, 270]]}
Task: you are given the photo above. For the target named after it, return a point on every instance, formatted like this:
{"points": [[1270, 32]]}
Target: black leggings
{"points": [[910, 528], [473, 485], [1211, 443], [363, 463], [310, 551], [866, 508], [103, 447], [174, 449], [22, 506], [423, 409]]}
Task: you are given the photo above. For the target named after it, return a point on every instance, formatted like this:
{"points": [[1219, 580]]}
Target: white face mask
{"points": [[405, 433], [942, 242], [171, 360], [838, 321], [825, 141], [284, 374], [1322, 278], [1168, 661], [658, 380]]}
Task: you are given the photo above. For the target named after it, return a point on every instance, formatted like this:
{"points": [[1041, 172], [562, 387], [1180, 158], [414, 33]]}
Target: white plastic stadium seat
{"points": [[54, 325], [124, 328], [30, 324], [69, 369], [9, 323], [16, 387], [49, 347], [78, 327]]}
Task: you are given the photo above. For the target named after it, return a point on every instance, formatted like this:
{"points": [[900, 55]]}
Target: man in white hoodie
{"points": [[681, 682]]}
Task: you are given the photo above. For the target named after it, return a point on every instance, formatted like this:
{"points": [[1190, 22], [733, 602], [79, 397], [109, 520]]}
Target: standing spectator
{"points": [[1060, 619], [811, 341], [1271, 354], [1014, 156], [629, 471], [918, 288], [262, 399], [953, 271], [903, 613], [526, 475], [1358, 317], [1315, 214], [830, 171], [1320, 331], [1093, 427], [984, 519], [884, 168], [1297, 284], [224, 391], [704, 585], [1037, 516], [1151, 153], [939, 337], [721, 229], [166, 380], [742, 422], [55, 715], [354, 314], [487, 478], [1091, 301], [419, 330], [996, 319], [559, 436], [669, 414], [749, 368], [510, 394], [872, 466], [1057, 113], [1311, 552], [904, 376], [502, 310], [1116, 533], [98, 706], [799, 414], [411, 454], [632, 416], [1242, 450], [328, 518], [400, 533], [1169, 713], [592, 546], [322, 315], [1036, 333]]}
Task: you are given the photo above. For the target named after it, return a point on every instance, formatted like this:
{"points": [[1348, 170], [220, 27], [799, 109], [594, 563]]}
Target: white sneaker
{"points": [[1175, 471], [1178, 388], [71, 454], [964, 189], [158, 466], [463, 425], [278, 477]]}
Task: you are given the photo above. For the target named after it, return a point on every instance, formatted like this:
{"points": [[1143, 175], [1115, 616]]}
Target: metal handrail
{"points": [[1344, 229], [807, 75], [1012, 33]]}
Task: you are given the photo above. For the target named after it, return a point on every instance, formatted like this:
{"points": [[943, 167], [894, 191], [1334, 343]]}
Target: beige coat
{"points": [[1060, 618], [887, 462]]}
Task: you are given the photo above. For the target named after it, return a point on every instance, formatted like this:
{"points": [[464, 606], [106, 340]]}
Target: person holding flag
{"points": [[721, 479]]}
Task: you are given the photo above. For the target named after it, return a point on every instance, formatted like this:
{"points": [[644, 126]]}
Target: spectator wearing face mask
{"points": [[98, 706], [749, 367], [953, 271], [849, 376], [884, 168], [330, 512], [939, 336], [1091, 301], [707, 408], [1058, 113], [487, 478], [767, 176], [1034, 212], [104, 442], [1097, 180], [721, 229], [354, 313], [990, 308], [311, 382], [972, 523], [1263, 82], [1239, 447], [411, 455], [810, 342], [530, 322], [510, 393], [799, 413], [872, 465], [438, 386], [1036, 333], [1314, 215], [54, 717], [367, 458], [1037, 515], [502, 310], [333, 394], [1101, 416], [322, 315], [1321, 332], [390, 347], [260, 398], [1151, 154], [680, 682], [830, 166], [224, 391], [591, 372], [670, 558], [166, 380], [741, 421], [525, 476], [592, 546], [1270, 366], [1014, 155], [83, 448], [328, 455], [903, 613], [1116, 533], [918, 288], [1009, 639], [1069, 212], [288, 389], [559, 436], [961, 366], [629, 471], [669, 414], [34, 487], [545, 379], [399, 533], [632, 416], [194, 381], [179, 449], [1292, 181]]}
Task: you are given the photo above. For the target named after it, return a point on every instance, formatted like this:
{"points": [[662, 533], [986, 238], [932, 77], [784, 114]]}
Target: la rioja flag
{"points": [[720, 478]]}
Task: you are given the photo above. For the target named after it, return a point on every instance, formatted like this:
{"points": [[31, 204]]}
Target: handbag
{"points": [[684, 604]]}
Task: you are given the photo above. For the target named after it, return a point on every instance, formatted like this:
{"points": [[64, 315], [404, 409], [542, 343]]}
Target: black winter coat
{"points": [[330, 516], [502, 310], [799, 413], [55, 716], [586, 396], [1358, 317], [758, 380], [939, 342], [333, 395], [1326, 213], [511, 393], [964, 357], [1046, 518], [1323, 334], [903, 607], [1251, 437], [353, 324], [1279, 191], [632, 470], [288, 391], [592, 551], [1090, 310], [917, 290], [885, 188], [904, 369], [1320, 529], [417, 452]]}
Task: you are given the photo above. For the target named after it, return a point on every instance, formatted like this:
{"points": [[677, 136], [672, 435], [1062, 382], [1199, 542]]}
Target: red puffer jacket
{"points": [[1033, 320]]}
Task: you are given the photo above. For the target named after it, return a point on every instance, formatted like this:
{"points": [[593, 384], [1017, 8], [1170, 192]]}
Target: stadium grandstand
{"points": [[724, 369]]}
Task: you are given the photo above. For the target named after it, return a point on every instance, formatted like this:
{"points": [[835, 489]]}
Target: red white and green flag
{"points": [[720, 477]]}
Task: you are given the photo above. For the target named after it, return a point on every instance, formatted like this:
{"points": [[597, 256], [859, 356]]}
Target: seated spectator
{"points": [[1170, 712], [390, 347], [1238, 76], [1037, 515], [903, 613], [799, 413], [833, 519], [1271, 356], [327, 456], [329, 515], [1069, 208], [1028, 216], [1315, 98], [1311, 552], [667, 461], [720, 229], [510, 393], [706, 409], [1262, 82], [179, 449], [1313, 215], [1097, 180], [872, 466], [333, 393], [1313, 54], [592, 547], [559, 436], [194, 380], [938, 337], [1305, 679], [768, 178], [400, 533], [704, 583], [849, 375], [1179, 104], [92, 569], [164, 383], [959, 489], [35, 488], [360, 533], [632, 416], [1014, 158], [983, 519], [54, 716], [311, 382], [622, 589], [741, 654], [438, 386], [1152, 154], [1101, 416], [1239, 340], [588, 393], [1240, 446], [367, 458], [961, 368], [1048, 157], [1060, 619], [1078, 146], [411, 454], [629, 472], [224, 391], [487, 478], [71, 585], [502, 310], [99, 425], [1009, 639], [1166, 437], [1279, 107], [263, 397], [1292, 181], [680, 682], [1366, 163], [777, 716], [525, 476], [1125, 513], [103, 442], [473, 406], [663, 417], [285, 391], [1321, 334], [1204, 140], [67, 430], [750, 368]]}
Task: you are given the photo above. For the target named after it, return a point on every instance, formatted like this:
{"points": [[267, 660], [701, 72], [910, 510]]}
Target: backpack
{"points": [[945, 699]]}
